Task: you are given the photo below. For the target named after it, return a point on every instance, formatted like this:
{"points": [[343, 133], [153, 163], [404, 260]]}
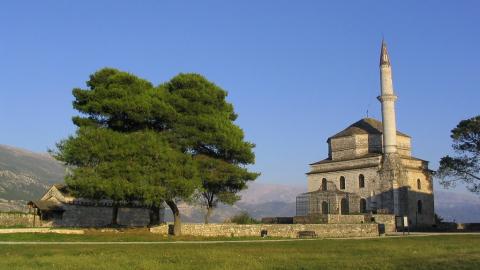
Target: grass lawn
{"points": [[432, 252]]}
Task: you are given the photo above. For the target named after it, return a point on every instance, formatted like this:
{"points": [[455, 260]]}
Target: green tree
{"points": [[465, 166], [192, 117], [137, 166], [204, 127], [221, 181], [121, 102]]}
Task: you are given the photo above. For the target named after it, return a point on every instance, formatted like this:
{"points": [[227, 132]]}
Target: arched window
{"points": [[363, 205], [344, 207], [419, 184], [324, 184], [361, 181], [419, 207], [324, 207], [342, 182]]}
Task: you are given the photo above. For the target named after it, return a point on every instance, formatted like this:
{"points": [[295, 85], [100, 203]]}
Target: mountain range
{"points": [[26, 175]]}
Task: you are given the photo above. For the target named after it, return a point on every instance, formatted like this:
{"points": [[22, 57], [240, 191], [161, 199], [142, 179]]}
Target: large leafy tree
{"points": [[121, 102], [204, 127], [192, 118], [465, 165]]}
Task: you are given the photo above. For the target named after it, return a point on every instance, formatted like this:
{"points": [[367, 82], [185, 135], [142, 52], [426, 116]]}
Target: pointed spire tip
{"points": [[384, 58]]}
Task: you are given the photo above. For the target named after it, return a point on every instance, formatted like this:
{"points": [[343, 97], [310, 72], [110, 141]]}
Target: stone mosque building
{"points": [[370, 168]]}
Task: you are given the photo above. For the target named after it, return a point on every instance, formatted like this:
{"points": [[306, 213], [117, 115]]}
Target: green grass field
{"points": [[432, 252]]}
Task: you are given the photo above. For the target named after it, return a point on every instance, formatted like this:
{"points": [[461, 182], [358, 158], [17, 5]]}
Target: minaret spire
{"points": [[384, 58], [387, 98]]}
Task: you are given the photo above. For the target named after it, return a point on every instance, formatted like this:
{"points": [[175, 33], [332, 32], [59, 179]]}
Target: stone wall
{"points": [[100, 216], [310, 219], [84, 216], [41, 230], [274, 230], [351, 184], [387, 220], [350, 147], [134, 217], [17, 219], [346, 219]]}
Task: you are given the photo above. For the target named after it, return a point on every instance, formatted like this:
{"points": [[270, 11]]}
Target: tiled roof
{"points": [[46, 205], [364, 126]]}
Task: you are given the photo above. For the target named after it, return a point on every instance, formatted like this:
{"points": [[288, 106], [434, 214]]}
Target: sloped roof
{"points": [[364, 126], [62, 188], [328, 160], [46, 205]]}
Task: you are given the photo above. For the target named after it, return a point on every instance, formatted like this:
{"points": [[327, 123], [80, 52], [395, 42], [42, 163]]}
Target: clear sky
{"points": [[297, 72]]}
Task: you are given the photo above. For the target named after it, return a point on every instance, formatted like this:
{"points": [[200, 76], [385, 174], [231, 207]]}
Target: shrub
{"points": [[243, 218]]}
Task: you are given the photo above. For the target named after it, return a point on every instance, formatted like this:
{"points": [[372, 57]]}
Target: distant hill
{"points": [[25, 175], [459, 206], [259, 200]]}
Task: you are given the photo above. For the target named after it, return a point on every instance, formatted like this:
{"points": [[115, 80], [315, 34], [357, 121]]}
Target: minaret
{"points": [[387, 98]]}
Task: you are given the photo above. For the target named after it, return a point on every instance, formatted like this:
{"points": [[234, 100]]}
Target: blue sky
{"points": [[297, 72]]}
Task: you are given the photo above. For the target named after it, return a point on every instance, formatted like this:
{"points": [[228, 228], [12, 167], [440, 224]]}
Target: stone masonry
{"points": [[275, 230]]}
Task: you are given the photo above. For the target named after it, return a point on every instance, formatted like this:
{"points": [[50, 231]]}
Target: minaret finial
{"points": [[384, 58]]}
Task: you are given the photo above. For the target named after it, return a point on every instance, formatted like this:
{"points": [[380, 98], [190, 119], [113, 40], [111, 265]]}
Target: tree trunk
{"points": [[114, 215], [154, 215], [208, 214], [177, 225]]}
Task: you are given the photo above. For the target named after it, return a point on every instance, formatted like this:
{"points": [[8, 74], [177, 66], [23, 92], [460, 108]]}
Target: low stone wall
{"points": [[310, 219], [387, 220], [331, 219], [346, 219], [41, 230], [274, 230], [17, 219]]}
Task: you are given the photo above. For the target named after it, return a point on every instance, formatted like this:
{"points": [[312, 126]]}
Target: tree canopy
{"points": [[465, 165], [155, 144], [134, 166]]}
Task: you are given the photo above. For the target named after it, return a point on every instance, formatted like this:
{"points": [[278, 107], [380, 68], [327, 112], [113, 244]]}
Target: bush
{"points": [[243, 218]]}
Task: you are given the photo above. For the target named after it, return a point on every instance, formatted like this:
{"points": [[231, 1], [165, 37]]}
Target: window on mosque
{"points": [[419, 184], [363, 205], [419, 207], [324, 207], [324, 184], [342, 182], [361, 181]]}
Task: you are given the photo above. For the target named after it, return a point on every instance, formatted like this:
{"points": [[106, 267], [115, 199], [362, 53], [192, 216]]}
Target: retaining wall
{"points": [[387, 220], [40, 230], [345, 219], [274, 230], [18, 219]]}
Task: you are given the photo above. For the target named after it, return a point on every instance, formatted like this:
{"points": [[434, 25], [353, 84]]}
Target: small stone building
{"points": [[370, 168], [58, 208]]}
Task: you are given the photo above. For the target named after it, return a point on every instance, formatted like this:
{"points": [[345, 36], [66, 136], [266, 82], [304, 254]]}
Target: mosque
{"points": [[370, 168]]}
